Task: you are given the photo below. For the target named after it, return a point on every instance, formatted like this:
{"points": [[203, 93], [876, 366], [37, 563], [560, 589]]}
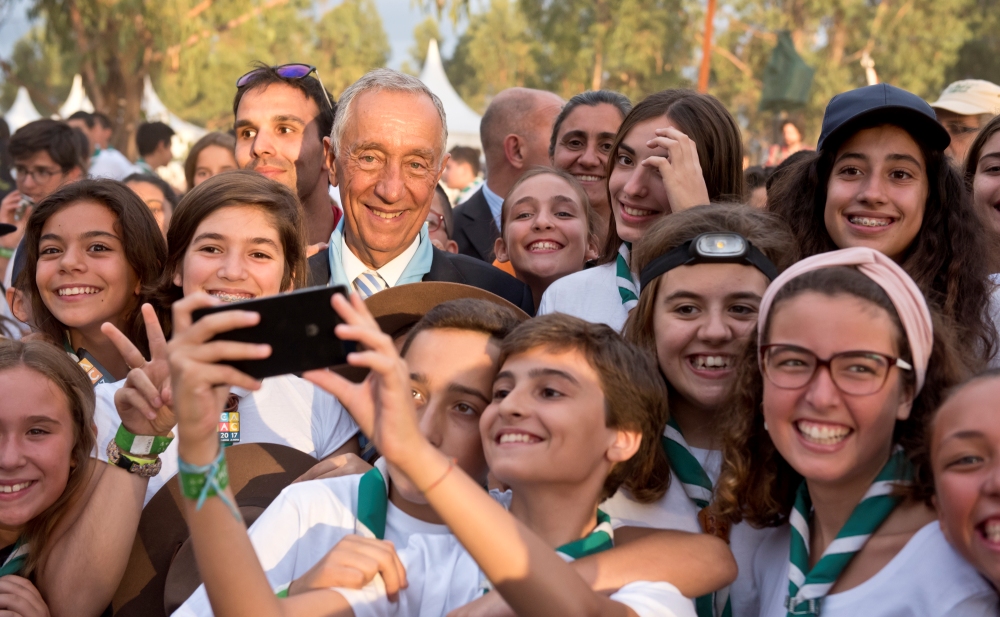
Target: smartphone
{"points": [[297, 325]]}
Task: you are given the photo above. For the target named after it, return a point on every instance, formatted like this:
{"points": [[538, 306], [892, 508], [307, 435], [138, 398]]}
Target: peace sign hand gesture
{"points": [[144, 401]]}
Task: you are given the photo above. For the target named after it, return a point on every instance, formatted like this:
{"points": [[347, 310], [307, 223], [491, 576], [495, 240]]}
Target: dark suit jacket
{"points": [[450, 268], [475, 230]]}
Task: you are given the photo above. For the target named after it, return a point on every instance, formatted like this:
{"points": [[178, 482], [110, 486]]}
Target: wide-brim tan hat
{"points": [[398, 309], [162, 572]]}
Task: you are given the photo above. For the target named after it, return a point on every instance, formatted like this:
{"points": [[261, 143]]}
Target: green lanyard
{"points": [[628, 289], [698, 488], [16, 560], [807, 588]]}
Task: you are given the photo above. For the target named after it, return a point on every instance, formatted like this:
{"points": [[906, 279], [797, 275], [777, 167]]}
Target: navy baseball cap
{"points": [[850, 111]]}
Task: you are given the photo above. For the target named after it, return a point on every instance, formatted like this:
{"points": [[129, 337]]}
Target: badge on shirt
{"points": [[229, 428]]}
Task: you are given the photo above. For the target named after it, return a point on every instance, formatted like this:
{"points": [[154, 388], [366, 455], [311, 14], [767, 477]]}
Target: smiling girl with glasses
{"points": [[828, 446]]}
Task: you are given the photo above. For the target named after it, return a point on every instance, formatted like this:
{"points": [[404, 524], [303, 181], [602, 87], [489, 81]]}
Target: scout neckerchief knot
{"points": [[16, 560], [698, 488], [628, 287], [807, 588]]}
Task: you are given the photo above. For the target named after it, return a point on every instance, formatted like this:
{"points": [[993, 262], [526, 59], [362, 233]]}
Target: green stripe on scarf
{"points": [[373, 502], [628, 287], [807, 588], [698, 488], [16, 560]]}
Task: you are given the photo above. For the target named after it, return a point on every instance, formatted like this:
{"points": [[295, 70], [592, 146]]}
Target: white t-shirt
{"points": [[287, 410], [676, 511], [308, 519], [926, 578], [590, 294], [110, 163]]}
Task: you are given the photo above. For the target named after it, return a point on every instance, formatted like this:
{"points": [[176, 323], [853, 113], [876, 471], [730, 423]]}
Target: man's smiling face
{"points": [[389, 159]]}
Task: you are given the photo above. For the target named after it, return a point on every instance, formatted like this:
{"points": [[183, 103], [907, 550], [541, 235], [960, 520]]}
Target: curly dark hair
{"points": [[756, 483], [945, 258]]}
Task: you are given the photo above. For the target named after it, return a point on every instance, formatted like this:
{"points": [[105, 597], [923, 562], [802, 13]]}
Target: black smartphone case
{"points": [[297, 325]]}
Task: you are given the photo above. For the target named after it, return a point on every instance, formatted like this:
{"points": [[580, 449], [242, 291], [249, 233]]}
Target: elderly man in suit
{"points": [[386, 155], [515, 132]]}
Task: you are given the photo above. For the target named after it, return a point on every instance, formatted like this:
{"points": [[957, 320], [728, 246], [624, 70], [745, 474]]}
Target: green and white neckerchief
{"points": [[628, 286], [698, 488], [16, 560], [807, 588], [373, 506], [600, 539]]}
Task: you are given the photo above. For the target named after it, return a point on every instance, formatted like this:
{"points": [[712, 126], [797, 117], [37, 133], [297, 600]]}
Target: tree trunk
{"points": [[838, 37]]}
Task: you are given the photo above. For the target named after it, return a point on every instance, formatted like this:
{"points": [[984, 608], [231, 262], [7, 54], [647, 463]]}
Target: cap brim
{"points": [[960, 107], [6, 229], [399, 308], [922, 128]]}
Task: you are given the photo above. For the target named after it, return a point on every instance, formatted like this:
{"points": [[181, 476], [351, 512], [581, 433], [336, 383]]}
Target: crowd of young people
{"points": [[721, 409]]}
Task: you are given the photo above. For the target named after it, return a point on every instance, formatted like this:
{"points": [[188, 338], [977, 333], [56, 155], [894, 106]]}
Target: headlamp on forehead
{"points": [[716, 247]]}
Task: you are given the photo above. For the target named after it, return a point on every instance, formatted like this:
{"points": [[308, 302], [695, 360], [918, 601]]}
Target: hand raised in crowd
{"points": [[382, 405], [680, 170], [9, 214], [200, 385], [144, 401], [336, 466], [20, 598], [352, 564]]}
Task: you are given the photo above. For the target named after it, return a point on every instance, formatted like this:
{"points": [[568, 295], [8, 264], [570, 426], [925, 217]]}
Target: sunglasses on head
{"points": [[288, 71]]}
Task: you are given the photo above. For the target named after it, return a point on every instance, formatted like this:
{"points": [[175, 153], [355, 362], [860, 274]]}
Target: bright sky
{"points": [[399, 17]]}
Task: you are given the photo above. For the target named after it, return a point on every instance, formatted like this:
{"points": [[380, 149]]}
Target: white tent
{"points": [[463, 123], [156, 111], [22, 111], [77, 99]]}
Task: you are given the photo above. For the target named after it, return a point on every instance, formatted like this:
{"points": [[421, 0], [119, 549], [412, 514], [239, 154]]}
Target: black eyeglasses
{"points": [[853, 372], [288, 71]]}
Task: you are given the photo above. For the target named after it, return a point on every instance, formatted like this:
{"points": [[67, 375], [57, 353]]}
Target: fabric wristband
{"points": [[144, 467], [199, 482], [6, 253], [141, 444]]}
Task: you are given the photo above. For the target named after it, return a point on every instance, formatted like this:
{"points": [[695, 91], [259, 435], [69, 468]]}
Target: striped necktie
{"points": [[369, 283], [628, 288], [807, 588], [698, 488]]}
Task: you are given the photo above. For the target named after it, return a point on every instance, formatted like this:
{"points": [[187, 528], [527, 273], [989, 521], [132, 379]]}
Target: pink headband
{"points": [[902, 291]]}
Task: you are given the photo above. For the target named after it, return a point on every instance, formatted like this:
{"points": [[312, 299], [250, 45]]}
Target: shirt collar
{"points": [[494, 201], [390, 272]]}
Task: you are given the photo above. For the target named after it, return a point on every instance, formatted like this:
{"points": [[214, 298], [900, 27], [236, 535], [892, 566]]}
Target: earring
{"points": [[765, 425]]}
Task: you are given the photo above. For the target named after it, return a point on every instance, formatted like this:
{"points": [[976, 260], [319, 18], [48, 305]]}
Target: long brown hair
{"points": [[53, 364], [756, 484], [765, 231], [234, 188], [142, 244], [945, 259], [715, 133]]}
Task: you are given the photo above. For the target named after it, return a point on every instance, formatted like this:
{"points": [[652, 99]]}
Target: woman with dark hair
{"points": [[675, 150], [581, 142], [791, 137], [157, 194], [92, 248], [236, 236], [880, 179], [982, 175], [824, 440], [210, 155]]}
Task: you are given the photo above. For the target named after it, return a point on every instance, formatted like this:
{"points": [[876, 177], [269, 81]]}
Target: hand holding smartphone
{"points": [[297, 325]]}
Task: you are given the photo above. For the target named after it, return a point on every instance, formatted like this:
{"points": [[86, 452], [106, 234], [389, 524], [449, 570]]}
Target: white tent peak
{"points": [[463, 122], [22, 111], [77, 99], [156, 111]]}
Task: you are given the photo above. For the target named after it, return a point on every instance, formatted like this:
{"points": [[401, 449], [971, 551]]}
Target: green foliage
{"points": [[423, 33], [43, 68]]}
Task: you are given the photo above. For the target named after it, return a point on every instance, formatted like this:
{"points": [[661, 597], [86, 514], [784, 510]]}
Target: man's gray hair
{"points": [[382, 80]]}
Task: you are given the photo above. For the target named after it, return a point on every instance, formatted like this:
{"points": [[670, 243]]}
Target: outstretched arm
{"points": [[524, 569]]}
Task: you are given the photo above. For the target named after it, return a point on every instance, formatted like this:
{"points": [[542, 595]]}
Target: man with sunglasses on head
{"points": [[283, 116], [46, 156], [386, 156]]}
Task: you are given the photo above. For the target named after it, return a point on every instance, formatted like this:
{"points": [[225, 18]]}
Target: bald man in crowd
{"points": [[515, 132]]}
